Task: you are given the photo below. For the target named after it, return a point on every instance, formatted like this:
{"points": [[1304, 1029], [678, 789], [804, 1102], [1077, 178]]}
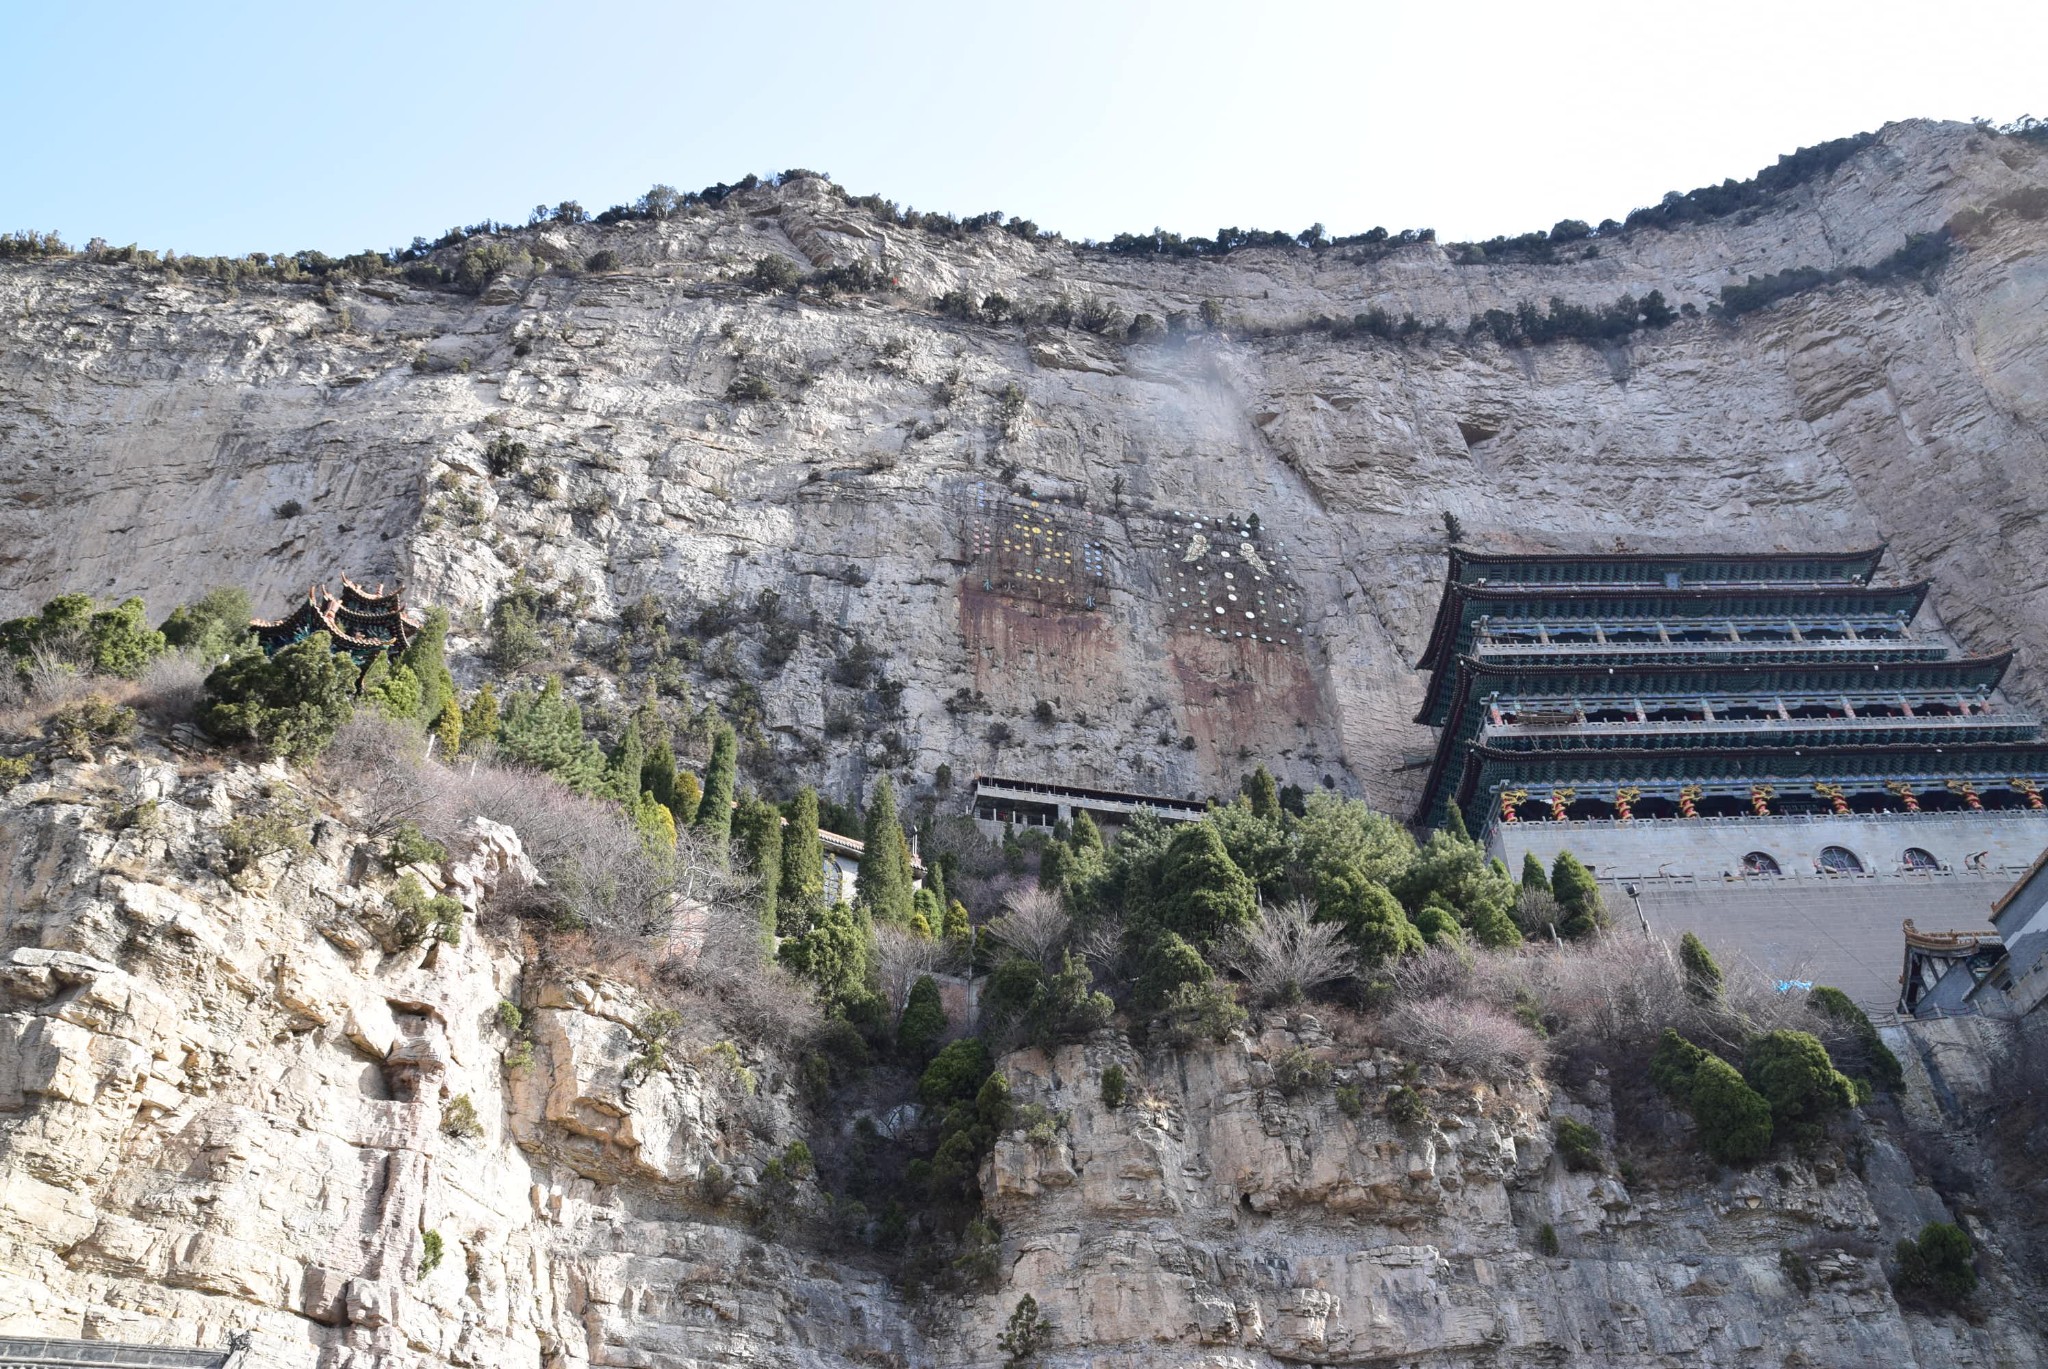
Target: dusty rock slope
{"points": [[154, 428]]}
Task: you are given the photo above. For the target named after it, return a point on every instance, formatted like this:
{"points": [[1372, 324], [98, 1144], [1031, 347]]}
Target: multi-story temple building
{"points": [[1754, 726], [362, 622]]}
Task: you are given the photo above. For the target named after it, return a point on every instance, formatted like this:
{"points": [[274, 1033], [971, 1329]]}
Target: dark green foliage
{"points": [[1170, 962], [1300, 1071], [923, 1022], [1546, 1240], [1921, 259], [1532, 873], [1437, 923], [757, 835], [624, 764], [1527, 325], [544, 729], [1024, 1335], [1730, 197], [1202, 896], [431, 1249], [1068, 1008], [1350, 1100], [1734, 1119], [1792, 1071], [658, 777], [1405, 1105], [427, 659], [1452, 871], [212, 626], [749, 389], [1578, 1145], [1673, 1066], [1012, 989], [516, 640], [965, 1137], [1576, 893], [1864, 1052], [803, 857], [480, 719], [1702, 971], [774, 274], [1256, 845], [74, 629], [291, 704], [1454, 822], [1114, 1087], [1263, 794], [833, 953], [425, 917], [1796, 1270], [410, 846], [251, 836], [1378, 929], [883, 880], [1199, 1012], [714, 810], [1938, 1268], [955, 1073]]}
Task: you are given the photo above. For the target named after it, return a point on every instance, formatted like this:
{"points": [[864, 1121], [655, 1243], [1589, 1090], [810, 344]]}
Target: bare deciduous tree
{"points": [[1287, 955], [1034, 924], [902, 957]]}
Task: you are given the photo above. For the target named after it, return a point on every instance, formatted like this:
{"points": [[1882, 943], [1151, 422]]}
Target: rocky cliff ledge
{"points": [[233, 1095], [690, 437]]}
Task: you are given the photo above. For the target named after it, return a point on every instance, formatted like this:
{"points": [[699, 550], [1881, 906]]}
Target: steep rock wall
{"points": [[154, 428]]}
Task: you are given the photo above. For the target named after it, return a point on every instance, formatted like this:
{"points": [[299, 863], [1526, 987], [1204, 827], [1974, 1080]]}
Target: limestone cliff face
{"points": [[154, 427], [242, 1102]]}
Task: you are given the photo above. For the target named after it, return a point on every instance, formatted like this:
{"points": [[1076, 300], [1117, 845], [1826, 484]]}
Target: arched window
{"points": [[1917, 859], [1760, 863], [1839, 860]]}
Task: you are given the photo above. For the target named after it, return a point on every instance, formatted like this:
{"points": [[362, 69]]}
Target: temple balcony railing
{"points": [[2021, 724], [1670, 824], [1787, 652]]}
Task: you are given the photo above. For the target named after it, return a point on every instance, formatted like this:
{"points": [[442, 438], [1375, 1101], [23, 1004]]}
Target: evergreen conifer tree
{"points": [[624, 764], [1263, 793], [427, 659], [480, 720], [714, 809], [922, 1024], [1532, 873], [757, 832], [689, 797], [883, 882], [1202, 894], [1702, 972], [448, 728], [545, 731], [1576, 893], [1454, 822], [803, 855], [658, 777]]}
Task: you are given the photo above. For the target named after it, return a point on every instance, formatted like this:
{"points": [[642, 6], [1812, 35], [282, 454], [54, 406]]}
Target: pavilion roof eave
{"points": [[1461, 560], [1447, 632]]}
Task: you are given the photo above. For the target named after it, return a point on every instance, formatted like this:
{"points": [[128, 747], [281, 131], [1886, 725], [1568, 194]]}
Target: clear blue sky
{"points": [[235, 128]]}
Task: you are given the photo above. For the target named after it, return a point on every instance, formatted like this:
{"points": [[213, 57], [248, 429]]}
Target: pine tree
{"points": [[427, 658], [883, 882], [1532, 873], [1202, 894], [1454, 822], [935, 880], [803, 857], [293, 702], [714, 810], [480, 720], [657, 825], [922, 1024], [1264, 794], [545, 731], [1702, 972], [689, 798], [757, 832], [1086, 835], [1576, 893], [658, 777], [448, 728], [624, 764]]}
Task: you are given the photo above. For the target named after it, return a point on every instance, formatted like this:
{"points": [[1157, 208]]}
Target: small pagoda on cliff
{"points": [[361, 622]]}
